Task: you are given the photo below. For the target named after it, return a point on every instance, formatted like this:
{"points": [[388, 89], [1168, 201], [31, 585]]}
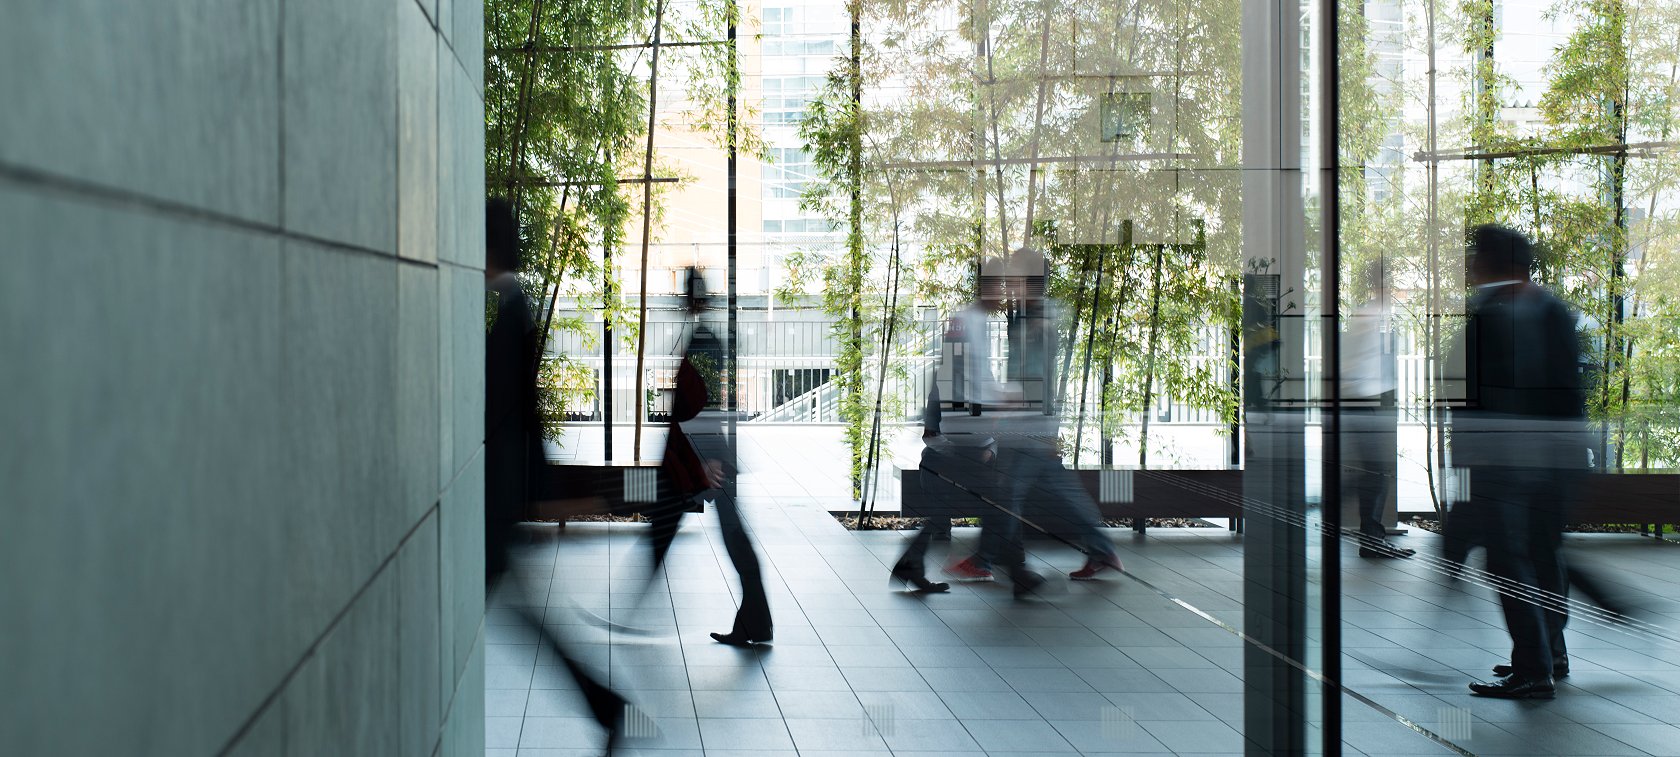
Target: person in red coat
{"points": [[696, 452]]}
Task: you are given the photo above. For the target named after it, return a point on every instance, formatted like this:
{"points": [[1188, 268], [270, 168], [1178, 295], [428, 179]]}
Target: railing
{"points": [[800, 353]]}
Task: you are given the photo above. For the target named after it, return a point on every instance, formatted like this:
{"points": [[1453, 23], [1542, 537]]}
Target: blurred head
{"points": [[931, 415], [1026, 274], [994, 285], [1375, 277], [1497, 253], [694, 290], [501, 237]]}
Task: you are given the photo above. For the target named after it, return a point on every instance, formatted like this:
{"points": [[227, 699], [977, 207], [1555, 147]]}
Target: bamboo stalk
{"points": [[647, 230], [555, 183], [522, 112], [1038, 116], [1149, 367]]}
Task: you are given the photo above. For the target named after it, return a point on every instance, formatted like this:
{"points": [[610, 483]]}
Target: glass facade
{"points": [[1369, 315]]}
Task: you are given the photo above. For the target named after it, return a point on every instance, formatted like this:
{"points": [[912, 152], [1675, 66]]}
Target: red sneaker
{"points": [[1093, 567], [968, 571]]}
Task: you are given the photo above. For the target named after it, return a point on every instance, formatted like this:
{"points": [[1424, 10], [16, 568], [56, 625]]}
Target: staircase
{"points": [[820, 405]]}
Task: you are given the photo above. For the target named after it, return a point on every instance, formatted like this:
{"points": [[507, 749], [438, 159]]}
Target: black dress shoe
{"points": [[1559, 670], [1386, 551], [611, 714], [918, 579], [1514, 687], [737, 639], [1025, 582]]}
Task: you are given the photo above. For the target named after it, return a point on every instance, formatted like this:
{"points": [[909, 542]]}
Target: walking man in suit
{"points": [[1522, 436]]}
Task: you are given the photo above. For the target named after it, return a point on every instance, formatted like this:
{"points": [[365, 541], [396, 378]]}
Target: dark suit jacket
{"points": [[691, 439], [1522, 354], [1525, 403], [512, 432]]}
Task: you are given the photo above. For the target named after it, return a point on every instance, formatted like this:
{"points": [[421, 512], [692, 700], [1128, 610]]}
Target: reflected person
{"points": [[1036, 490], [974, 386], [1369, 386], [1521, 436], [943, 468]]}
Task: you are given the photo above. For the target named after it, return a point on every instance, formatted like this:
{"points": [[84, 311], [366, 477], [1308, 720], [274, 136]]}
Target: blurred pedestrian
{"points": [[699, 463], [939, 497], [1034, 488], [1369, 385], [1520, 435], [513, 442]]}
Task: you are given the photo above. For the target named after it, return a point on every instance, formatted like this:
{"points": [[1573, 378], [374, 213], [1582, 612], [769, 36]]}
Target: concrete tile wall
{"points": [[178, 100], [241, 355], [340, 115], [417, 164]]}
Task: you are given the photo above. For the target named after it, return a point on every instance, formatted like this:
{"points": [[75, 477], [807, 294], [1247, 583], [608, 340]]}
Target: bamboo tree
{"points": [[555, 125]]}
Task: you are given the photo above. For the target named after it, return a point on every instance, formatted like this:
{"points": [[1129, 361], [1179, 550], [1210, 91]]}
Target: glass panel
{"points": [[1046, 280], [1498, 385]]}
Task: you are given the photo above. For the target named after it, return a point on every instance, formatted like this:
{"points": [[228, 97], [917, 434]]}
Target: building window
{"points": [[778, 22], [787, 173], [785, 97], [798, 226]]}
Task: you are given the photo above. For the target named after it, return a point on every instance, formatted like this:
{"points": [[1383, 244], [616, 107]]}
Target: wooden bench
{"points": [[560, 492], [1119, 493], [1650, 500]]}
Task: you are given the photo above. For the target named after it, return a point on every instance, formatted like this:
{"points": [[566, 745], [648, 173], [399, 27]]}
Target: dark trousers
{"points": [[665, 517], [961, 480], [753, 617], [1053, 499], [1001, 542], [505, 493], [1522, 510], [914, 559], [1368, 451], [1035, 490]]}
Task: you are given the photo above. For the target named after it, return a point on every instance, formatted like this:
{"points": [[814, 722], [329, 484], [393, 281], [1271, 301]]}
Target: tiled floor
{"points": [[1113, 666]]}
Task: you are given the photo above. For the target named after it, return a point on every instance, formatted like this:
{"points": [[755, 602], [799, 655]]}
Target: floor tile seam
{"points": [[900, 649], [542, 635], [1368, 701], [682, 657], [719, 557]]}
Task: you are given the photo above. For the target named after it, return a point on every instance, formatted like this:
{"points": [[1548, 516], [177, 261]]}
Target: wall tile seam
{"points": [[432, 22], [455, 478], [97, 193], [477, 87], [275, 696], [441, 264], [280, 104], [427, 265], [478, 641]]}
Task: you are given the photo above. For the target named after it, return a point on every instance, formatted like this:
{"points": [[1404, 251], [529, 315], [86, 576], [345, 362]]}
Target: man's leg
{"points": [[664, 517], [914, 559], [605, 705], [1021, 471], [1545, 533], [1510, 557], [1072, 513], [752, 620]]}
